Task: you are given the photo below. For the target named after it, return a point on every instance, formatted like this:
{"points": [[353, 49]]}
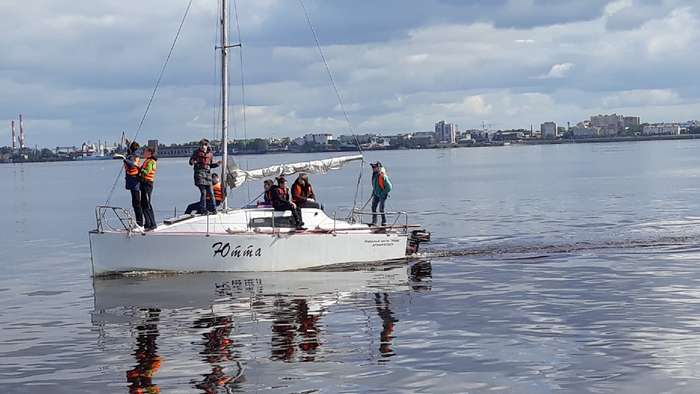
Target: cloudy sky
{"points": [[82, 70]]}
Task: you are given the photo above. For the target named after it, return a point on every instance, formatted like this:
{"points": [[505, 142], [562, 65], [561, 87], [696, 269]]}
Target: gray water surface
{"points": [[569, 268]]}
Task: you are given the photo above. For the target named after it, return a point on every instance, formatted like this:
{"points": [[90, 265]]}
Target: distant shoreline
{"points": [[594, 140]]}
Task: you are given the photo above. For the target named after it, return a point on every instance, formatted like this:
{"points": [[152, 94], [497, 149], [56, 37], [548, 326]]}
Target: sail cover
{"points": [[235, 177]]}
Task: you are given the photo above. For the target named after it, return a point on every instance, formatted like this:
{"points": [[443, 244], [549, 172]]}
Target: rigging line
{"points": [[340, 101], [328, 71], [242, 73], [153, 93]]}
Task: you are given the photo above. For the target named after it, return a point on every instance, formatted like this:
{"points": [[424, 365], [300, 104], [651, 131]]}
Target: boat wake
{"points": [[535, 250]]}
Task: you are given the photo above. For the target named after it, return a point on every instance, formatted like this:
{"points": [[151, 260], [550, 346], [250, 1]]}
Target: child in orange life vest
{"points": [[219, 191], [147, 175]]}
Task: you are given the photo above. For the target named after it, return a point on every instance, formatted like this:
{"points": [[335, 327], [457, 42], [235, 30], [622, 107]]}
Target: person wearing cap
{"points": [[381, 186], [203, 161], [280, 202]]}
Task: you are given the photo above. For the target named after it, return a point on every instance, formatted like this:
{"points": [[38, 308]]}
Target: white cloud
{"points": [[87, 67], [558, 71]]}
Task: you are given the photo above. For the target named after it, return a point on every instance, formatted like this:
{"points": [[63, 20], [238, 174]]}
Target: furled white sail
{"points": [[235, 177]]}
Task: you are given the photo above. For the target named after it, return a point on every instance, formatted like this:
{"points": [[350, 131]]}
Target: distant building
{"points": [[153, 144], [548, 130], [631, 122], [608, 125], [480, 135], [445, 133], [423, 138], [361, 139], [584, 131], [509, 135], [318, 138], [662, 129], [177, 150]]}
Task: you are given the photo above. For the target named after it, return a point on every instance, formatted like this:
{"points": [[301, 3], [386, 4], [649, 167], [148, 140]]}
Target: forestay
{"points": [[235, 177]]}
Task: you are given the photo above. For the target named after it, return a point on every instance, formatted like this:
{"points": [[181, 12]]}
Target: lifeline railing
{"points": [[104, 213], [357, 215]]}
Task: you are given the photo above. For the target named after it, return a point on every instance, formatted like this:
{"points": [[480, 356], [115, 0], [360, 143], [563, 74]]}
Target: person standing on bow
{"points": [[303, 194], [132, 165], [381, 186], [147, 175], [203, 161]]}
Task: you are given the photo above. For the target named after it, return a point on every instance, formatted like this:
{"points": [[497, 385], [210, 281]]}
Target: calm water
{"points": [[553, 268]]}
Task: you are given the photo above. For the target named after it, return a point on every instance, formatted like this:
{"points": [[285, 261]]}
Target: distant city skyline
{"points": [[83, 71]]}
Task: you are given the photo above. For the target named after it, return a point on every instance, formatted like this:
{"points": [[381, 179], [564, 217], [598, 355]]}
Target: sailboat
{"points": [[249, 238]]}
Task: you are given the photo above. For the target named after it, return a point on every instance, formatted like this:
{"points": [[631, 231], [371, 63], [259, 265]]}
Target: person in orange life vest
{"points": [[281, 202], [147, 175], [203, 161], [140, 378], [381, 186], [132, 164], [219, 194], [303, 194], [218, 188]]}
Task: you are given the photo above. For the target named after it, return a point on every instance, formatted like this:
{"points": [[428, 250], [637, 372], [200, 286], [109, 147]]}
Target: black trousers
{"points": [[146, 207], [296, 212], [136, 204]]}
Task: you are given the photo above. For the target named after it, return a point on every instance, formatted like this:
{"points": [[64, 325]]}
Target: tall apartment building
{"points": [[445, 132], [548, 130]]}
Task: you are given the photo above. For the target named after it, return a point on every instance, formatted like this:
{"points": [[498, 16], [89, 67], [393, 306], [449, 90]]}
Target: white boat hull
{"points": [[123, 252]]}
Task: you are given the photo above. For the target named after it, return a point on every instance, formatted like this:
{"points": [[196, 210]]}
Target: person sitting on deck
{"points": [[280, 202], [303, 193], [219, 195], [268, 185]]}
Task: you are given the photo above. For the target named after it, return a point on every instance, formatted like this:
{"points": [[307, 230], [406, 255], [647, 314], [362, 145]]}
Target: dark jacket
{"points": [[280, 197], [203, 162], [132, 181]]}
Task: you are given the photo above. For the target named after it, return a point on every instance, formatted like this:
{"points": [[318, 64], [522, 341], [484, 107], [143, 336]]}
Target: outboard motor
{"points": [[415, 239]]}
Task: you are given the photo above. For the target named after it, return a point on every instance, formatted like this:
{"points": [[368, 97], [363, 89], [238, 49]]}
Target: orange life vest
{"points": [[132, 171], [151, 175], [297, 193], [218, 192]]}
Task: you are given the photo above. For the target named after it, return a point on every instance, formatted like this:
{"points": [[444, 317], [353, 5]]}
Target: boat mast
{"points": [[224, 93]]}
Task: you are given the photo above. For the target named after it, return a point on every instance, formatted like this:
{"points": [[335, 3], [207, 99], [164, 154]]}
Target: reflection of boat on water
{"points": [[225, 320], [227, 290]]}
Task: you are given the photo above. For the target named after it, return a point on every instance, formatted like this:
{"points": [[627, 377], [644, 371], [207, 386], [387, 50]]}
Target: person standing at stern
{"points": [[381, 186]]}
